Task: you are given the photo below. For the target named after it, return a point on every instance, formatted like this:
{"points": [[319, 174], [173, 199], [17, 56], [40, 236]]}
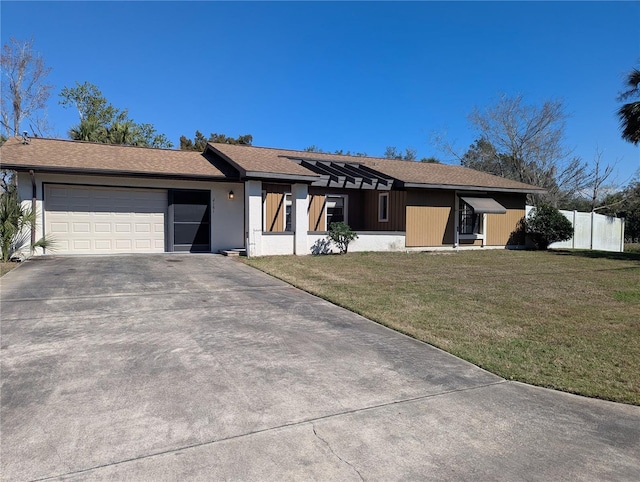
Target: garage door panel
{"points": [[143, 244], [124, 245], [83, 219], [102, 227], [103, 245], [59, 228], [80, 228], [81, 245]]}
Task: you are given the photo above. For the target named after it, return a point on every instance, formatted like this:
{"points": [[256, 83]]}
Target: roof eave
{"points": [[260, 174], [226, 158], [279, 176], [418, 185], [107, 172]]}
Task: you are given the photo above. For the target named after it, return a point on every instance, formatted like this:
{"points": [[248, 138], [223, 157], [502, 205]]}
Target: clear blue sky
{"points": [[357, 76]]}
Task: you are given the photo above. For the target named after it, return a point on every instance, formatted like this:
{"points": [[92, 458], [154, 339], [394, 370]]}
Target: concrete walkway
{"points": [[197, 367]]}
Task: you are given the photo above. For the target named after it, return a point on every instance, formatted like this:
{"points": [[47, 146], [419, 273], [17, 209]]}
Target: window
{"points": [[336, 209], [383, 207], [287, 212], [470, 222]]}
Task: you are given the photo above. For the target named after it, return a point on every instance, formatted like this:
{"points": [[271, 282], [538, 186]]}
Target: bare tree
{"points": [[598, 178], [24, 91], [527, 142]]}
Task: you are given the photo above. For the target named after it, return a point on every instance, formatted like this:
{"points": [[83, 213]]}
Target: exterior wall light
{"points": [[231, 195]]}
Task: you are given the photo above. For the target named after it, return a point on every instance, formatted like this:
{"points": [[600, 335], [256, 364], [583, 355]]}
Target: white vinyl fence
{"points": [[592, 231]]}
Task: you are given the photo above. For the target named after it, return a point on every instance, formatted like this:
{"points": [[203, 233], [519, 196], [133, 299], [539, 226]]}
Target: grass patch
{"points": [[627, 296], [560, 319], [632, 248]]}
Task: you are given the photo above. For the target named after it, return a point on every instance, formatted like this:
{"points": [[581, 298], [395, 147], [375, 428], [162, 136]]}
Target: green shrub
{"points": [[546, 225], [341, 234]]}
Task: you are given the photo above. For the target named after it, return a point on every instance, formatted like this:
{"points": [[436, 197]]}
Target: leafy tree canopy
{"points": [[199, 142], [101, 122], [483, 156], [340, 152], [431, 160], [392, 152]]}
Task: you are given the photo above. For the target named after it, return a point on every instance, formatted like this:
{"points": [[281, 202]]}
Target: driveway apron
{"points": [[197, 367]]}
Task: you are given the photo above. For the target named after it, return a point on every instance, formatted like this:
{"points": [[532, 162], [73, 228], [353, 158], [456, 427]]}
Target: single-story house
{"points": [[99, 198]]}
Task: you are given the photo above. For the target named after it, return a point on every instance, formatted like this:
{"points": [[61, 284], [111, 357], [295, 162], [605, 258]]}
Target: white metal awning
{"points": [[482, 205]]}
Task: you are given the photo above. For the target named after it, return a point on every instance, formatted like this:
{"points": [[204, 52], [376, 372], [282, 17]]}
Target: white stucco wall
{"points": [[299, 213], [253, 218], [366, 241], [274, 244], [227, 215]]}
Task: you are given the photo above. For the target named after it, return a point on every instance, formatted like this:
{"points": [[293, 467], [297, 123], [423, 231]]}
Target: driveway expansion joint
{"points": [[147, 293], [273, 429]]}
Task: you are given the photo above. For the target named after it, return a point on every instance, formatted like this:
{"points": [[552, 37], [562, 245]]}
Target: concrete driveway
{"points": [[196, 367]]}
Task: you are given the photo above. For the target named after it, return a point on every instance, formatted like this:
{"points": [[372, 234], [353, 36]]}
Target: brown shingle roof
{"points": [[435, 174], [62, 155], [251, 161], [268, 160], [261, 160]]}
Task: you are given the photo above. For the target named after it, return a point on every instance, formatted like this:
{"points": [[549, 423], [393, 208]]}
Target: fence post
{"points": [[591, 234], [573, 238]]}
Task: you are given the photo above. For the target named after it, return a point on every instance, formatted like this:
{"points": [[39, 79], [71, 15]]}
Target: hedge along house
{"points": [[100, 198]]}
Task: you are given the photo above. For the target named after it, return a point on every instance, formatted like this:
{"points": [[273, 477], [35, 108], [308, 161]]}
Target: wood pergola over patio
{"points": [[350, 175]]}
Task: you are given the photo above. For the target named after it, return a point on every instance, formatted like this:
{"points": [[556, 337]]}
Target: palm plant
{"points": [[121, 133], [90, 130], [629, 114], [15, 221]]}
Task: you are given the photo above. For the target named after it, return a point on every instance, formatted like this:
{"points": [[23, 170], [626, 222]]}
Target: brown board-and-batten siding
{"points": [[396, 211], [430, 218], [502, 229]]}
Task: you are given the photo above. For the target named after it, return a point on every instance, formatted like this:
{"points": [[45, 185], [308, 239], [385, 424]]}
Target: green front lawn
{"points": [[568, 320]]}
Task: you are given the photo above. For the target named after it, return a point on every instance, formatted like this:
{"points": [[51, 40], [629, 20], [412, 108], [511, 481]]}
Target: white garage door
{"points": [[96, 220]]}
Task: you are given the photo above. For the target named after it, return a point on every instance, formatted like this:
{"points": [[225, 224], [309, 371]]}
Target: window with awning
{"points": [[484, 205], [472, 211]]}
